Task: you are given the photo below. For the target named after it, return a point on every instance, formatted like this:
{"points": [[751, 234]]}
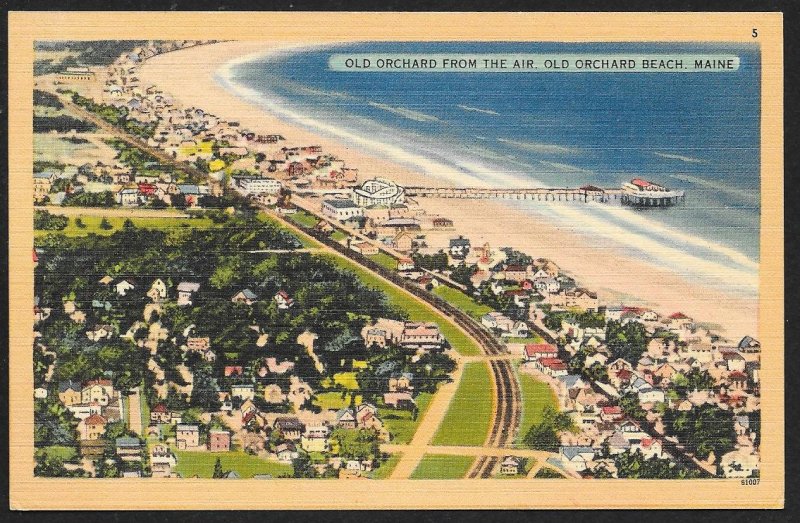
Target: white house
{"points": [[341, 209], [124, 286], [283, 300], [256, 185], [185, 291]]}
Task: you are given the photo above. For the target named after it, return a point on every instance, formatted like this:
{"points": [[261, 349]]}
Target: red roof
{"points": [[611, 410], [552, 363], [249, 416], [678, 316], [638, 182], [104, 382], [95, 419], [532, 349], [160, 408], [35, 256], [233, 369], [624, 374], [736, 375]]}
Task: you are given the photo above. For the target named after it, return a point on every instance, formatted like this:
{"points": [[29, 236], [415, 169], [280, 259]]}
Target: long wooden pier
{"points": [[582, 194]]}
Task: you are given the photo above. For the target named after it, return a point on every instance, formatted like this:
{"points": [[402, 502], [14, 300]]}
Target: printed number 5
{"points": [[755, 33]]}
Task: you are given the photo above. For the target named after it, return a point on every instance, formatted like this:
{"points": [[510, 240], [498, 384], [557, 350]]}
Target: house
{"points": [[535, 351], [516, 273], [382, 332], [158, 290], [405, 264], [403, 241], [84, 410], [401, 382], [611, 413], [245, 296], [417, 335], [290, 427], [40, 393], [94, 427], [315, 439], [739, 464], [518, 330], [122, 287], [734, 361], [442, 223], [749, 345], [511, 466], [649, 447], [233, 370], [679, 321], [398, 400], [552, 367], [100, 332], [346, 418], [341, 209], [243, 391], [459, 248], [651, 395], [162, 461], [97, 391], [198, 344], [273, 394], [69, 392], [128, 197], [185, 292], [286, 452], [364, 248], [128, 449], [283, 300], [187, 436], [576, 457], [219, 441], [160, 414]]}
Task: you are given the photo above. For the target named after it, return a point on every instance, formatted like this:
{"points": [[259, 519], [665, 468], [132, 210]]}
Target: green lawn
{"points": [[303, 218], [462, 301], [546, 473], [416, 310], [536, 395], [442, 466], [66, 454], [386, 468], [145, 409], [92, 224], [334, 400], [385, 260], [399, 423], [467, 419], [202, 464], [346, 380], [338, 235], [533, 339]]}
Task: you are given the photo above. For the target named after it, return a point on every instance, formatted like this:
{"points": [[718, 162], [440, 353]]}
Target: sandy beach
{"points": [[188, 75]]}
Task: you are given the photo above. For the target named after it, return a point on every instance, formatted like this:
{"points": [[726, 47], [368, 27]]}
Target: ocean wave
{"points": [[660, 253], [538, 147], [682, 158], [477, 110], [405, 113], [566, 168], [733, 191]]}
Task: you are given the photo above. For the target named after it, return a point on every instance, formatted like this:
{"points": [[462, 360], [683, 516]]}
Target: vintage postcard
{"points": [[465, 260]]}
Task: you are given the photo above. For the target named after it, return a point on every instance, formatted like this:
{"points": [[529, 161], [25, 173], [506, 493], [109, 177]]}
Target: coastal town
{"points": [[213, 301]]}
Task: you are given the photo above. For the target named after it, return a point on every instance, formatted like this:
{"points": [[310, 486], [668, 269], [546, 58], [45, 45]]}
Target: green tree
{"points": [[218, 472], [702, 429], [105, 224], [627, 341], [79, 223], [544, 435]]}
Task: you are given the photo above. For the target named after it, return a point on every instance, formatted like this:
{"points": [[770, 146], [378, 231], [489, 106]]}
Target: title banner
{"points": [[532, 63]]}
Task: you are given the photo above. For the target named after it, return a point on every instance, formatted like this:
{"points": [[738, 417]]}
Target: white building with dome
{"points": [[378, 191]]}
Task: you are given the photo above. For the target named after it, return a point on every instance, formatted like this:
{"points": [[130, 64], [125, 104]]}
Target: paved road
{"points": [[126, 212], [135, 412]]}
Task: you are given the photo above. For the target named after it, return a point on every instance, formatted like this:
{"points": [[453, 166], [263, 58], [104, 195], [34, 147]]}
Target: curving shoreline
{"points": [[190, 77]]}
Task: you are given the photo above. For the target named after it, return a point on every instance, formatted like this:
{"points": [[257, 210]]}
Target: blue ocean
{"points": [[699, 132]]}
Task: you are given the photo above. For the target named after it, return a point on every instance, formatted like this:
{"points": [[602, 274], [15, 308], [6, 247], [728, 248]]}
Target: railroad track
{"points": [[508, 411]]}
